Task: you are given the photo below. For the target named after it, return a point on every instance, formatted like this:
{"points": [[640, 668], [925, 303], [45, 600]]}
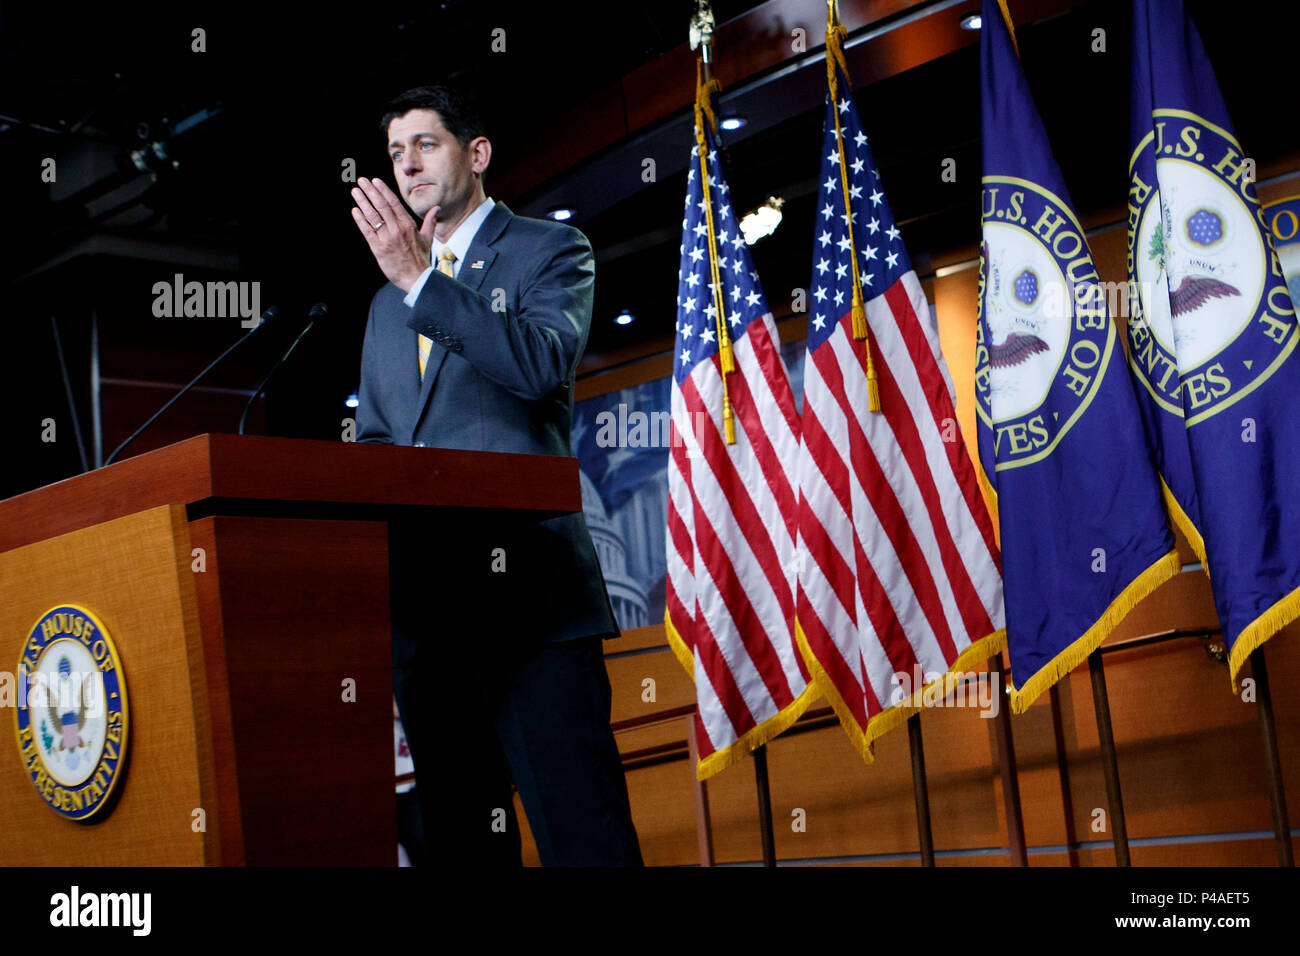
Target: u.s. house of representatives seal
{"points": [[1049, 336], [72, 713], [1211, 317]]}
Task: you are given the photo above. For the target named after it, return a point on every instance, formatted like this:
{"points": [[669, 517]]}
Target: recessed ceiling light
{"points": [[352, 401], [972, 22], [561, 214], [733, 122], [624, 318]]}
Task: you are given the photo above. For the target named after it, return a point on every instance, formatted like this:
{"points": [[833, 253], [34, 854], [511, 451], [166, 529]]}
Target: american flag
{"points": [[898, 567], [731, 506]]}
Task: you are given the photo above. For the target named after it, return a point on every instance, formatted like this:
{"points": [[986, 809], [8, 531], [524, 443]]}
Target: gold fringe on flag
{"points": [[1260, 630], [1161, 571], [678, 646], [756, 736], [864, 739], [835, 36], [1184, 524], [704, 111], [990, 496]]}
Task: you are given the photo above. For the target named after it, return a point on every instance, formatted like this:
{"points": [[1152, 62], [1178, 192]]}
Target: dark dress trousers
{"points": [[498, 624]]}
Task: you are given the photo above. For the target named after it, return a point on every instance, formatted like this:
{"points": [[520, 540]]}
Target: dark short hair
{"points": [[455, 106]]}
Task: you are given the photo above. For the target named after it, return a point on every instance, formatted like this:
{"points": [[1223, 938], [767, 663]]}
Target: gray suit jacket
{"points": [[508, 332]]}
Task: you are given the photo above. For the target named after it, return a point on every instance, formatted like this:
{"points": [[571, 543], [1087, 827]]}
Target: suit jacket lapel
{"points": [[480, 251]]}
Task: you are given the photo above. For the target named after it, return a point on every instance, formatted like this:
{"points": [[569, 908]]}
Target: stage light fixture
{"points": [[762, 221]]}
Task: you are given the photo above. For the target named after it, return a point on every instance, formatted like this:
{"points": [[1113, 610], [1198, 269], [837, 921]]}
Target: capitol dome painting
{"points": [[625, 594]]}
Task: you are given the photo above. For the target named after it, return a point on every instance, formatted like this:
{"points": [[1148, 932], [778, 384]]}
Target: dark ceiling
{"points": [[281, 97], [278, 101]]}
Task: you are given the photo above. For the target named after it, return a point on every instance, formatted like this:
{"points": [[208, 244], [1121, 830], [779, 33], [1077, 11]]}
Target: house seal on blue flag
{"points": [[1050, 337], [1196, 241], [71, 718]]}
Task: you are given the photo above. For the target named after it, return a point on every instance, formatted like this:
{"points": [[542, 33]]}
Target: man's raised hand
{"points": [[401, 252]]}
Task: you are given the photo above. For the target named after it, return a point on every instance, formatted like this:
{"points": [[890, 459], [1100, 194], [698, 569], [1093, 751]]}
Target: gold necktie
{"points": [[426, 344]]}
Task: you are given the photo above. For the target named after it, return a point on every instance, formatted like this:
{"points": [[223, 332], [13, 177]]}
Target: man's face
{"points": [[430, 166]]}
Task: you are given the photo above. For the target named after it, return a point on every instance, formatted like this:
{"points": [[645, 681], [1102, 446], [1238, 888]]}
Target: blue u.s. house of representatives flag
{"points": [[1151, 347], [1084, 532], [1216, 337]]}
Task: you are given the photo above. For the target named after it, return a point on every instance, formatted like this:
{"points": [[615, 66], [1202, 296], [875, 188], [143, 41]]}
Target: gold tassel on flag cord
{"points": [[835, 36], [704, 111]]}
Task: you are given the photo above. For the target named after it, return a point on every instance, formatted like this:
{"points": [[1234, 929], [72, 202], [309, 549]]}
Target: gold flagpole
{"points": [[1011, 27], [705, 87], [835, 35]]}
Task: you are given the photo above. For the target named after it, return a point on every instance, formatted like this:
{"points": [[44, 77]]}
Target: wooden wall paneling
{"points": [[1178, 779], [673, 687], [1189, 749]]}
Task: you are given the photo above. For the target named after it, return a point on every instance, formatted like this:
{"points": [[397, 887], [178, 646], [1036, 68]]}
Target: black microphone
{"points": [[266, 318], [318, 311]]}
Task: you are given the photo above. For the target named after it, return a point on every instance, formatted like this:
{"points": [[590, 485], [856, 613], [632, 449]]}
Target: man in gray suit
{"points": [[497, 626]]}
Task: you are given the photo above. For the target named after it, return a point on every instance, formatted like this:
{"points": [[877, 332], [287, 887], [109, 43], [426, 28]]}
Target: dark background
{"points": [[255, 130]]}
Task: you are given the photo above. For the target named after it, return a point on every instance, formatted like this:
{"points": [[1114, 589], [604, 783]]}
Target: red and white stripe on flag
{"points": [[898, 569], [731, 550], [899, 579], [732, 507]]}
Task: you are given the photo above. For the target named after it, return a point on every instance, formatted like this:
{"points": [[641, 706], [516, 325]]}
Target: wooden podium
{"points": [[244, 581]]}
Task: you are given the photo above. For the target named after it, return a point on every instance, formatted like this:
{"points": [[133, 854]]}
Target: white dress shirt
{"points": [[459, 243]]}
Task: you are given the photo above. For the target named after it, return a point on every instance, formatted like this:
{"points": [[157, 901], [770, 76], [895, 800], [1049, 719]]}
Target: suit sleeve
{"points": [[372, 426], [530, 351]]}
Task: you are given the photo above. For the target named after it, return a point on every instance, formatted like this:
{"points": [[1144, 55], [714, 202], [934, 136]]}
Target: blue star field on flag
{"points": [[743, 299], [882, 258]]}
